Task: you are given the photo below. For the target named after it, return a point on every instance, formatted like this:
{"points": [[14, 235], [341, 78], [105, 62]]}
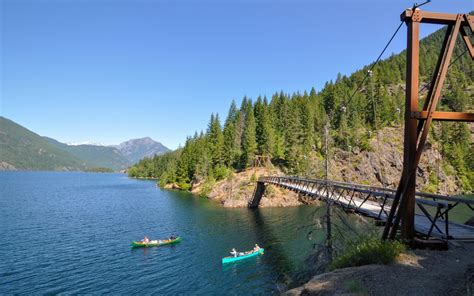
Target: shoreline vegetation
{"points": [[236, 190], [99, 170], [148, 178], [379, 167]]}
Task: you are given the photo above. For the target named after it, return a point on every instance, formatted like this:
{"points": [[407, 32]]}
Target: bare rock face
{"points": [[172, 186], [5, 166], [278, 197], [383, 166], [236, 191], [136, 149]]}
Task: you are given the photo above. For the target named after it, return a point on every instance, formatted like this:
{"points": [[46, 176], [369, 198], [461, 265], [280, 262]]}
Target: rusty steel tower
{"points": [[418, 122]]}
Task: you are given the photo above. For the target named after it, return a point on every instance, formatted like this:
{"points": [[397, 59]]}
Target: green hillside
{"points": [[24, 150], [289, 128], [95, 156]]}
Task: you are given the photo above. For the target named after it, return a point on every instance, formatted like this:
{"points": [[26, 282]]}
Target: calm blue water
{"points": [[71, 233]]}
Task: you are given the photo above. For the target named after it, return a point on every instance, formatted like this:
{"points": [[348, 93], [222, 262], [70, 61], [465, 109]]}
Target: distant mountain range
{"points": [[94, 156], [22, 149], [136, 149]]}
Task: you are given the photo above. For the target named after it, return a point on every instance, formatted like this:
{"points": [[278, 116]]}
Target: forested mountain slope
{"points": [[289, 129], [22, 149], [94, 155]]}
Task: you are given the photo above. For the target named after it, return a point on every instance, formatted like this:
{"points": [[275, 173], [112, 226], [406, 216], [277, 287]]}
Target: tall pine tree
{"points": [[231, 150], [249, 142]]}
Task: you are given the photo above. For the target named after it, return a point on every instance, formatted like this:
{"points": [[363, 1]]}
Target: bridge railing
{"points": [[335, 190], [362, 198]]}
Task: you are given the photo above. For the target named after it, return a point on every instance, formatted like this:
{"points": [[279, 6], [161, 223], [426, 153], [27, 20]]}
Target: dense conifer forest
{"points": [[289, 128]]}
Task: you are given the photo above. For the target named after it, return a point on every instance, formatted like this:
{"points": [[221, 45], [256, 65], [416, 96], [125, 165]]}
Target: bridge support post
{"points": [[257, 195], [410, 141]]}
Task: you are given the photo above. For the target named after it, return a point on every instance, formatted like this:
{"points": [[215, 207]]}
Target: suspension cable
{"points": [[376, 62], [369, 74], [415, 6]]}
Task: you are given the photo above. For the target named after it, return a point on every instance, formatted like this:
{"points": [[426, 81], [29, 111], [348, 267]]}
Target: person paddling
{"points": [[234, 252], [146, 240], [256, 248]]}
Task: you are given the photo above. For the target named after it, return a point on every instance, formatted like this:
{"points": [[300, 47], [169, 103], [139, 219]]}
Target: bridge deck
{"points": [[379, 210]]}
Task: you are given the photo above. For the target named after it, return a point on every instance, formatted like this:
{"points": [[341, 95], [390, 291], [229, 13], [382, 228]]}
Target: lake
{"points": [[71, 233]]}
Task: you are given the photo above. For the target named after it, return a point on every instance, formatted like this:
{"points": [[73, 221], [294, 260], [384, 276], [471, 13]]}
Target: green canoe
{"points": [[156, 243], [238, 258]]}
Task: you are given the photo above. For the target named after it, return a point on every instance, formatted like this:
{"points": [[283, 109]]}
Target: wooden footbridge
{"points": [[431, 217]]}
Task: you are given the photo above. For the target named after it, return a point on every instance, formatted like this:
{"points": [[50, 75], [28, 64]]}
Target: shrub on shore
{"points": [[368, 250]]}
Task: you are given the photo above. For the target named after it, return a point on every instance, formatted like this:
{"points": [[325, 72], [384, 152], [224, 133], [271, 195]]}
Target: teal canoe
{"points": [[238, 258], [156, 243]]}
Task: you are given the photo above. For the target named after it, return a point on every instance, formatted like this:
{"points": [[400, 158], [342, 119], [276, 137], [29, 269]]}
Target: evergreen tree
{"points": [[231, 150], [318, 118], [264, 128], [278, 111], [293, 137], [215, 140], [202, 158], [307, 124], [249, 142]]}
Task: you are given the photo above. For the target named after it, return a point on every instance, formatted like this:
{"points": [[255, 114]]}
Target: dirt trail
{"points": [[420, 272]]}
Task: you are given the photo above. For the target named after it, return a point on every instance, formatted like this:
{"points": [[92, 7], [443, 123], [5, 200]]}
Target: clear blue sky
{"points": [[108, 71]]}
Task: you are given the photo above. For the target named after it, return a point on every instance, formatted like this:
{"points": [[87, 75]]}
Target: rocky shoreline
{"points": [[237, 190]]}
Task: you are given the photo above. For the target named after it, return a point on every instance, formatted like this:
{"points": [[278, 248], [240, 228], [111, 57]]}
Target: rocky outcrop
{"points": [[5, 166], [237, 190], [421, 272], [172, 186], [383, 166]]}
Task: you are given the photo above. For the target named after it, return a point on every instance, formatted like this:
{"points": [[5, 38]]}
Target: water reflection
{"points": [[276, 256]]}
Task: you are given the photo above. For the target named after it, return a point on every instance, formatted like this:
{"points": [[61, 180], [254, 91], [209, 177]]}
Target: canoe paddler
{"points": [[234, 252], [146, 240], [256, 248]]}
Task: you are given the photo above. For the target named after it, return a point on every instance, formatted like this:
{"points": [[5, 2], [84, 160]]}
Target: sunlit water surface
{"points": [[71, 233]]}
